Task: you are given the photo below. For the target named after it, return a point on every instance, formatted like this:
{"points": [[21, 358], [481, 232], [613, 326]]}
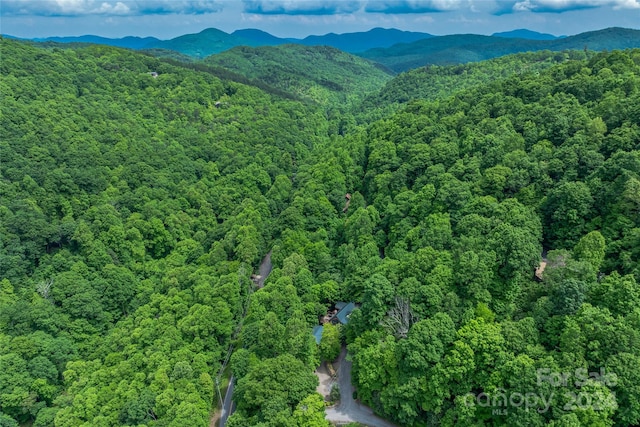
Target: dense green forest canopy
{"points": [[319, 73], [444, 81], [132, 211], [138, 195]]}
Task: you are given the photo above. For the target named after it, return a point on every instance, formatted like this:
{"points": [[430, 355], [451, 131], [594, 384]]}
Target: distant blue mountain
{"points": [[212, 40], [348, 42], [261, 38], [129, 42], [200, 45], [395, 49], [463, 48], [361, 41], [523, 33]]}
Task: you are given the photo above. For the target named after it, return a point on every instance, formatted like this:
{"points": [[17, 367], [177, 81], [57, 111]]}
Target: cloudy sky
{"points": [[298, 18]]}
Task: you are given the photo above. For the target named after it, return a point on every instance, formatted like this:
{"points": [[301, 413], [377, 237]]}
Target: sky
{"points": [[166, 19]]}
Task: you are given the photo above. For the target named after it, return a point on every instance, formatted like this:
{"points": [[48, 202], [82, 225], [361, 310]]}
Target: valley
{"points": [[140, 191]]}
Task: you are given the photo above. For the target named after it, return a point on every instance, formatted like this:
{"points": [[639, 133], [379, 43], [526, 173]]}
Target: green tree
{"points": [[310, 412], [330, 344], [591, 248]]}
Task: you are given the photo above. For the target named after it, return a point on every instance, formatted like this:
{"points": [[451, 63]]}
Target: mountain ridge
{"points": [[523, 33], [395, 49], [463, 48]]}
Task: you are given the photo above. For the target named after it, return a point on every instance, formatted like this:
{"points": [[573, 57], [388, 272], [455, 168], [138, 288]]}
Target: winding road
{"points": [[349, 410]]}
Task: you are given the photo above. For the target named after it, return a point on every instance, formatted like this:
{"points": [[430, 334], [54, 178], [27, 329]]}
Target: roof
{"points": [[343, 314], [317, 333], [340, 305]]}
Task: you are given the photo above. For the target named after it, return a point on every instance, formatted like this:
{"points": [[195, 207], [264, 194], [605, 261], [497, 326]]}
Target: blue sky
{"points": [[298, 18]]}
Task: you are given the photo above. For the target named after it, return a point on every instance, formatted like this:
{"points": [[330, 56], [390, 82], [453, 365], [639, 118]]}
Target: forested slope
{"points": [[134, 207], [132, 212], [462, 196], [318, 73], [435, 81]]}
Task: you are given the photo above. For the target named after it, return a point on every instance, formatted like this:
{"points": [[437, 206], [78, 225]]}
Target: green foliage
{"points": [[274, 386], [591, 248], [469, 189], [433, 82], [321, 74], [132, 213], [134, 209], [330, 343]]}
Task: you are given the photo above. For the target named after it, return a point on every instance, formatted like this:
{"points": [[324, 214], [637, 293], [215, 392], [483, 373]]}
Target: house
{"points": [[344, 310], [339, 314]]}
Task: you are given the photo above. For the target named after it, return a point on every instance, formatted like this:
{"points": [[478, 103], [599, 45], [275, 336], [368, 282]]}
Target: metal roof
{"points": [[343, 314], [317, 333]]}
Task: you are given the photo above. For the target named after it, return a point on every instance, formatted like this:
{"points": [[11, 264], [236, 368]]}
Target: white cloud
{"points": [[415, 6], [627, 4], [301, 7], [559, 6], [107, 7]]}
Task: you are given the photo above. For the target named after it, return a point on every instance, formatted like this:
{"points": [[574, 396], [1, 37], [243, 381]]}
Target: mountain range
{"points": [[463, 48], [395, 49], [211, 40]]}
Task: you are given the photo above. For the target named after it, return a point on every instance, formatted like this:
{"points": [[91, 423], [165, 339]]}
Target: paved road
{"points": [[350, 410], [265, 269], [228, 406]]}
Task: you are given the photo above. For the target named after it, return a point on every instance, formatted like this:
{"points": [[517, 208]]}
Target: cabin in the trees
{"points": [[344, 310], [540, 269], [338, 315]]}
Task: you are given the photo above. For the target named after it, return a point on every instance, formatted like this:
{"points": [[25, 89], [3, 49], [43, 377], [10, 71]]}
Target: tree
{"points": [[310, 412], [567, 209], [400, 318], [274, 385], [330, 345], [591, 248], [568, 296]]}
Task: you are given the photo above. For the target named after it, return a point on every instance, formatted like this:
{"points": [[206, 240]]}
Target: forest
{"points": [[138, 196]]}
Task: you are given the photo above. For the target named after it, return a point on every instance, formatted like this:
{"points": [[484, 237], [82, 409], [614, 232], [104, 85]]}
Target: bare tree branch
{"points": [[400, 318], [44, 287]]}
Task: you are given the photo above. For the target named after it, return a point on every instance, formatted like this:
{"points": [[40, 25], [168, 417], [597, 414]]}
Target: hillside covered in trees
{"points": [[320, 74], [138, 196]]}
